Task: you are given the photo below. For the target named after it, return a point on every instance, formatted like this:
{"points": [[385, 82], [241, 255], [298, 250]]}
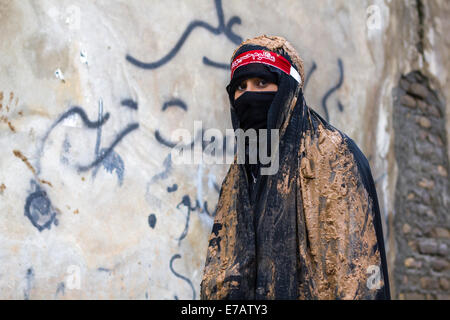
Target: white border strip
{"points": [[295, 75]]}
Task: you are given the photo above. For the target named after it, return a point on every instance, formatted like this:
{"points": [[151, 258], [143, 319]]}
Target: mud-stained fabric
{"points": [[310, 231]]}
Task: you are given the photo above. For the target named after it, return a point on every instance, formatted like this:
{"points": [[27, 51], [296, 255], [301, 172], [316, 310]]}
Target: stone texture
{"points": [[444, 284], [428, 283], [412, 263], [414, 296], [406, 228], [443, 249], [422, 191], [408, 101], [428, 247], [424, 122], [441, 232], [440, 264], [418, 90]]}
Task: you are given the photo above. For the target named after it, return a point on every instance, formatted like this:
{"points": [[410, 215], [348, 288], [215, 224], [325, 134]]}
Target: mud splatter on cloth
{"points": [[310, 231]]}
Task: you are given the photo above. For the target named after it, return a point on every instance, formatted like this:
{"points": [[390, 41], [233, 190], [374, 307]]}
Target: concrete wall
{"points": [[93, 206]]}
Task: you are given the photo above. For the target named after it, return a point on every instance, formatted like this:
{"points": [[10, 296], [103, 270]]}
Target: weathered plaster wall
{"points": [[92, 206]]}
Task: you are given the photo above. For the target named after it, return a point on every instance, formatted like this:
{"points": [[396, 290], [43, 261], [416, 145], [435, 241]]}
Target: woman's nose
{"points": [[249, 86]]}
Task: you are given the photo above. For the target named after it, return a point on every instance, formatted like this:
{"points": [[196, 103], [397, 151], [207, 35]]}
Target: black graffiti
{"points": [[174, 103], [60, 289], [168, 143], [129, 103], [107, 151], [332, 90], [66, 148], [158, 136], [172, 188], [38, 208], [174, 257], [167, 163], [219, 65], [72, 111], [164, 174], [78, 110], [308, 75], [186, 201], [152, 221], [102, 269], [100, 154], [163, 140], [222, 28], [111, 160], [205, 204], [29, 283]]}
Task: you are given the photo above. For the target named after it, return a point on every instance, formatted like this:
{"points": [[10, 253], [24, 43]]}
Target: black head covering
{"points": [[312, 230], [286, 85], [252, 70]]}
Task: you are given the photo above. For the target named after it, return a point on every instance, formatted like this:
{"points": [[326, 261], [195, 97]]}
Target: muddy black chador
{"points": [[312, 230]]}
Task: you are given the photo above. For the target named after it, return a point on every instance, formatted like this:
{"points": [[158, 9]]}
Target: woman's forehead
{"points": [[253, 78]]}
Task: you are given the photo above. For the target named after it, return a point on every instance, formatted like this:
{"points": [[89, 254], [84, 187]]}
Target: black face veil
{"points": [[313, 229]]}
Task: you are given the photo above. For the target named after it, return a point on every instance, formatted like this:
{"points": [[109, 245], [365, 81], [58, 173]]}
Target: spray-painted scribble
{"points": [[129, 103], [75, 110], [152, 220], [332, 90], [29, 283], [164, 174], [175, 102], [107, 151], [206, 210], [38, 208], [167, 163], [65, 151], [112, 161], [222, 28], [214, 64], [60, 289], [186, 201], [172, 188], [177, 256], [102, 269], [309, 74]]}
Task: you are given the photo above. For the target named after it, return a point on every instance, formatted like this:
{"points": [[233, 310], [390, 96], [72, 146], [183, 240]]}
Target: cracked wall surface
{"points": [[94, 207]]}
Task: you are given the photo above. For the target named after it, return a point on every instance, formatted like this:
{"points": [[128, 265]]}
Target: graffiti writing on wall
{"points": [[222, 28], [38, 206]]}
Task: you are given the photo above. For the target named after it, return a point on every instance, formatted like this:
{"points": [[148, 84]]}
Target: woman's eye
{"points": [[242, 86], [262, 82]]}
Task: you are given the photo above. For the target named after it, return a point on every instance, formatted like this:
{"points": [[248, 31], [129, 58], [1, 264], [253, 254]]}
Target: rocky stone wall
{"points": [[421, 197]]}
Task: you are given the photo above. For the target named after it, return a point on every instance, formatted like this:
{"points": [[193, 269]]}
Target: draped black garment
{"points": [[312, 230]]}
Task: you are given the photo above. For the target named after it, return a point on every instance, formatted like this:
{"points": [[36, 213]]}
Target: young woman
{"points": [[312, 230]]}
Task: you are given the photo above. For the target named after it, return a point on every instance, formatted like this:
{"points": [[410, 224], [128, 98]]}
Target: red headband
{"points": [[265, 57]]}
